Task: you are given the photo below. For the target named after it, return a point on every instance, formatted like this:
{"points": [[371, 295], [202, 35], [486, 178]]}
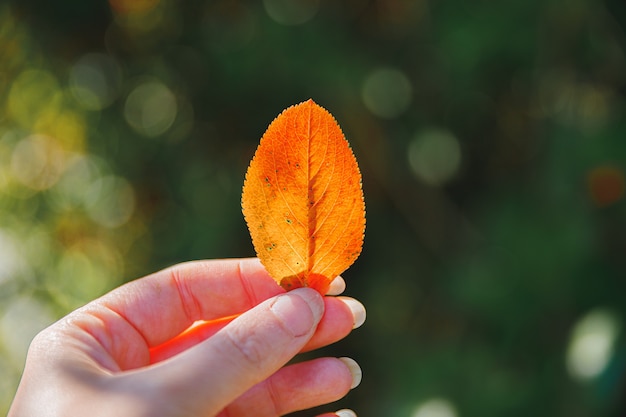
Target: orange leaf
{"points": [[302, 199]]}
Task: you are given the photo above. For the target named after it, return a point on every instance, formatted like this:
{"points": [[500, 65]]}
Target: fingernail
{"points": [[358, 311], [345, 413], [288, 308], [355, 371], [337, 286]]}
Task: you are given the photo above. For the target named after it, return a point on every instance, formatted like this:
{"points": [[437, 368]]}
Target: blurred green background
{"points": [[492, 140]]}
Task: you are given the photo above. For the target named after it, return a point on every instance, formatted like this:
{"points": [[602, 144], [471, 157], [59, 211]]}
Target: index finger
{"points": [[162, 305]]}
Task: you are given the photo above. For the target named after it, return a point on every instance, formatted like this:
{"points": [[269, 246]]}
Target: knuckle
{"points": [[247, 347]]}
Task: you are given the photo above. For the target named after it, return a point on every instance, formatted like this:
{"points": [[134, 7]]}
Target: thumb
{"points": [[245, 352]]}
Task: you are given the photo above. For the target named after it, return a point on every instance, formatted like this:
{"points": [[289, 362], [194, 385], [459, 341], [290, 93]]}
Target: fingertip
{"points": [[355, 371], [337, 286], [288, 309], [313, 298], [358, 310], [344, 412]]}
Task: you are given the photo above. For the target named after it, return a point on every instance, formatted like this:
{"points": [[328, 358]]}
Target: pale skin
{"points": [[102, 360]]}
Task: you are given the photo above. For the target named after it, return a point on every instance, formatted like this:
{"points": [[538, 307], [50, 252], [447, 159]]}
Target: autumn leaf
{"points": [[302, 199]]}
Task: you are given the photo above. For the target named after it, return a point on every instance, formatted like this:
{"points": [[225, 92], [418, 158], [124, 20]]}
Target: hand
{"points": [[110, 357]]}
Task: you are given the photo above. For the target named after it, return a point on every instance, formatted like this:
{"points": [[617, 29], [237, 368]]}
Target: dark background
{"points": [[491, 139]]}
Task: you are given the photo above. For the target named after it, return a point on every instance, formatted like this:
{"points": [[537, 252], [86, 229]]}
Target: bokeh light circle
{"points": [[592, 343], [387, 92], [434, 156], [435, 407], [151, 109], [110, 201], [20, 321], [95, 80], [32, 93], [38, 162], [12, 262], [291, 12]]}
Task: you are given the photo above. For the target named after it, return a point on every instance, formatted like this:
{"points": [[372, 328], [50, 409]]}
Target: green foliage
{"points": [[490, 136]]}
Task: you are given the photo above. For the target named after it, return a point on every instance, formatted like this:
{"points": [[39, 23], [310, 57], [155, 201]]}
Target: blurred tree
{"points": [[490, 138]]}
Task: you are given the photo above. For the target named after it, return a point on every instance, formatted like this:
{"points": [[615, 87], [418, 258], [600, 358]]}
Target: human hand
{"points": [[110, 357]]}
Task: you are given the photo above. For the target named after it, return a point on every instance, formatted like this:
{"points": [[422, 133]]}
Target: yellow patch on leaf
{"points": [[302, 199]]}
